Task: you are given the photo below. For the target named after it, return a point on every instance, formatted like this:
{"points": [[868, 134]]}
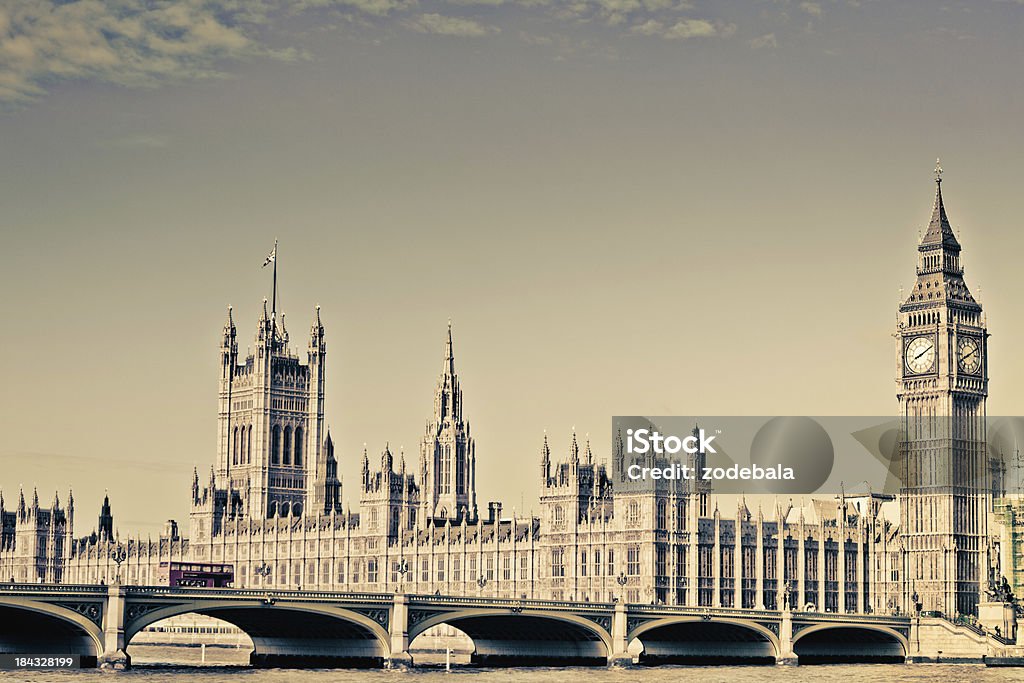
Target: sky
{"points": [[625, 207]]}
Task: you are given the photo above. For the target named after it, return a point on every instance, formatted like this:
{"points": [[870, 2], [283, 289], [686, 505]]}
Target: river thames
{"points": [[223, 665]]}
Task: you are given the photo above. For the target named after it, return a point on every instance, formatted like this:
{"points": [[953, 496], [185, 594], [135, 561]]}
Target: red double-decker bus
{"points": [[196, 574]]}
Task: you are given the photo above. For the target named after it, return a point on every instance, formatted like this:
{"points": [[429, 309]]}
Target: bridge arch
{"points": [[849, 643], [697, 640], [32, 626], [532, 637], [290, 633]]}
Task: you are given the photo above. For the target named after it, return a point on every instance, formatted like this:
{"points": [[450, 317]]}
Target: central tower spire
{"points": [[447, 455]]}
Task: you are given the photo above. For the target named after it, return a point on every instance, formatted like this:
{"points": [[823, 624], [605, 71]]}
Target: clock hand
{"points": [[964, 358], [922, 353]]}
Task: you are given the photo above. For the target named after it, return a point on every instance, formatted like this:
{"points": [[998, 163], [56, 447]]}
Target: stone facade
{"points": [[271, 504]]}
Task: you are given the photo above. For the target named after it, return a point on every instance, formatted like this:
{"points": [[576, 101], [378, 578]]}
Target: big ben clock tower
{"points": [[942, 380]]}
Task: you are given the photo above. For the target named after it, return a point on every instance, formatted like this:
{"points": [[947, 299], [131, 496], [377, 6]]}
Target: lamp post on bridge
{"points": [[481, 582], [622, 581], [118, 554], [402, 569], [263, 571]]}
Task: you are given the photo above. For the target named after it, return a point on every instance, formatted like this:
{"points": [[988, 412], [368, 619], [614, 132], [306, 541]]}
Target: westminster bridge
{"points": [[324, 629]]}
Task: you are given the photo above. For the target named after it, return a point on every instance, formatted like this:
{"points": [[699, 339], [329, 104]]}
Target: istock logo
{"points": [[641, 441]]}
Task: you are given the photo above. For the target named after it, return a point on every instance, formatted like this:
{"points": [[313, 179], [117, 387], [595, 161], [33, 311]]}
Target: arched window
{"points": [[275, 445], [248, 445], [662, 521], [460, 474], [287, 446], [243, 443], [234, 446], [633, 514], [298, 446], [559, 516], [444, 478]]}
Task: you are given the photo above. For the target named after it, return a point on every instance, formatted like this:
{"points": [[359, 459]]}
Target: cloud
{"points": [[449, 26], [812, 8], [767, 40], [134, 43], [682, 29]]}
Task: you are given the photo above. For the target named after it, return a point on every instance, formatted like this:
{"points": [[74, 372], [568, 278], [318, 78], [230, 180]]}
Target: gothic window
{"points": [[524, 567], [633, 514], [662, 515], [583, 563], [287, 446], [341, 571], [633, 560], [557, 562], [597, 563], [234, 456], [371, 571], [440, 569], [374, 518], [681, 516], [275, 445], [460, 475], [248, 445], [611, 562], [456, 569], [298, 447], [444, 479], [661, 561], [490, 568], [425, 570], [559, 517]]}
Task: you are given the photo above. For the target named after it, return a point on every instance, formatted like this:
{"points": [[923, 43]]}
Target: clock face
{"points": [[920, 354], [968, 354]]}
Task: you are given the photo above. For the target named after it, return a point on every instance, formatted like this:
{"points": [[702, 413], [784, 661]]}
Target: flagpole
{"points": [[273, 305]]}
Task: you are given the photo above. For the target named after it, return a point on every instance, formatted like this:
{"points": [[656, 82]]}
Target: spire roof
{"points": [[939, 230], [449, 353]]}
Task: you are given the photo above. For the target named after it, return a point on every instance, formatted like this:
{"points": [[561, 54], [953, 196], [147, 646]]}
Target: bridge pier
{"points": [[399, 657], [786, 656], [114, 657], [619, 656]]}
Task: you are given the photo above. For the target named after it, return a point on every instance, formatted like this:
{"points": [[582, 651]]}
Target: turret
{"points": [[106, 520]]}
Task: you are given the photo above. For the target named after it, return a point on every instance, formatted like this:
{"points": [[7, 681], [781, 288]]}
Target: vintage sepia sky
{"points": [[625, 206]]}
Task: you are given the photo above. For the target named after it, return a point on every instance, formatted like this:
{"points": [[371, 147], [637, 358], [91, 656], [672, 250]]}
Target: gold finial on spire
{"points": [[938, 171]]}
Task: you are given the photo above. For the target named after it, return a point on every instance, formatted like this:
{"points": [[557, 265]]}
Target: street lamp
{"points": [[481, 582], [263, 571], [118, 554], [402, 569], [621, 580]]}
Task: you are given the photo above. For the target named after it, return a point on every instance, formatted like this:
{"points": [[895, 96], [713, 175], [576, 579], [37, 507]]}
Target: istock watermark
{"points": [[799, 455]]}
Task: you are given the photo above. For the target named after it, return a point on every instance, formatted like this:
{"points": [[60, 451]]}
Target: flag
{"points": [[272, 257]]}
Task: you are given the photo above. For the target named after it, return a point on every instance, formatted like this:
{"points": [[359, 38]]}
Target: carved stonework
{"points": [[633, 622], [136, 610], [378, 615], [601, 620], [799, 627], [772, 626], [418, 615], [93, 611]]}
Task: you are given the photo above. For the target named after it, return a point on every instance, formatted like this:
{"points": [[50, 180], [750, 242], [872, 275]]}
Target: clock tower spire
{"points": [[942, 386]]}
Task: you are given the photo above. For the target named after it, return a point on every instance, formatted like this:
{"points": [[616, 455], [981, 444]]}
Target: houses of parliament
{"points": [[271, 504]]}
